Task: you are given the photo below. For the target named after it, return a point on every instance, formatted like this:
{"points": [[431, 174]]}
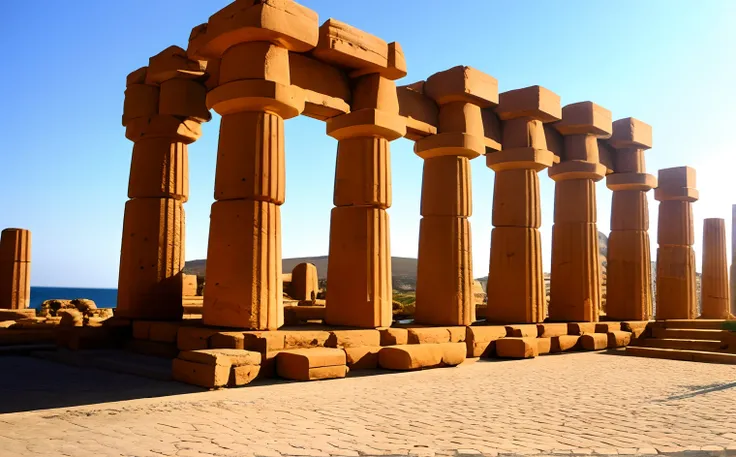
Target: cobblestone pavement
{"points": [[586, 403]]}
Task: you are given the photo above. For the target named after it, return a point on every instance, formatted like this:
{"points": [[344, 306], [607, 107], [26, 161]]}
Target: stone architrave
{"points": [[444, 290], [164, 107], [254, 94], [575, 282], [359, 290], [515, 288], [15, 268], [676, 293], [715, 300], [629, 284]]}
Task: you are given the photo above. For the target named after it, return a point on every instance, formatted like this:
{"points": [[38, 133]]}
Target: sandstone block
{"points": [[715, 297], [631, 181], [517, 348], [522, 331], [353, 338], [585, 118], [228, 357], [461, 117], [15, 268], [304, 282], [141, 100], [373, 91], [255, 60], [367, 123], [428, 335], [141, 330], [564, 343], [577, 170], [491, 130], [550, 330], [163, 126], [363, 173], [581, 328], [618, 339], [362, 357], [243, 375], [231, 340], [287, 23], [446, 189], [631, 133], [159, 169], [676, 293], [594, 341], [297, 315], [184, 98], [516, 199], [316, 76], [607, 327], [298, 364], [420, 111], [534, 102], [462, 84], [305, 339], [189, 285], [173, 62], [417, 356], [632, 326], [190, 338], [199, 374], [164, 332], [394, 336], [675, 223], [525, 132], [450, 144], [676, 183], [244, 266], [256, 95], [480, 340], [526, 158], [15, 314], [136, 77], [71, 318]]}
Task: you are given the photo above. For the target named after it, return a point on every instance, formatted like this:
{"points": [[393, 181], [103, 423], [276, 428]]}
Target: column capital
{"points": [[517, 158], [256, 95], [676, 183], [450, 144], [577, 169], [367, 123], [163, 126], [631, 181]]}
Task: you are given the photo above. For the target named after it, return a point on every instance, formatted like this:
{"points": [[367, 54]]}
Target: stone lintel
{"points": [[173, 62], [283, 22], [585, 118], [606, 156], [312, 74], [162, 126], [577, 169], [535, 102], [463, 84], [420, 111], [366, 123], [631, 181], [491, 130], [631, 133], [256, 95], [450, 143], [529, 158]]}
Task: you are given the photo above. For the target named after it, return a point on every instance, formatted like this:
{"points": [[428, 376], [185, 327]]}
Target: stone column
{"points": [[164, 107], [254, 95], [715, 300], [515, 277], [444, 291], [676, 291], [575, 280], [629, 287], [359, 287], [15, 268], [733, 259]]}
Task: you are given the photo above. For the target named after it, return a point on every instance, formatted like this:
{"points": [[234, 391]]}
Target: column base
{"points": [[629, 286]]}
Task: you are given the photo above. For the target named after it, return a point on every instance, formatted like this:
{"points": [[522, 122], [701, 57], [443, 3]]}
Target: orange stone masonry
{"points": [[676, 294], [162, 113], [359, 290], [629, 286], [15, 268], [253, 93], [715, 300], [515, 278], [733, 257], [445, 268], [575, 282]]}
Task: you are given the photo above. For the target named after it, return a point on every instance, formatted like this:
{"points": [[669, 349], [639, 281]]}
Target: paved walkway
{"points": [[587, 403]]}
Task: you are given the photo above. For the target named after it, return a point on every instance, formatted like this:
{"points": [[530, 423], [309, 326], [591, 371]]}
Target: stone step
{"points": [[703, 324], [688, 334], [682, 354], [671, 343]]}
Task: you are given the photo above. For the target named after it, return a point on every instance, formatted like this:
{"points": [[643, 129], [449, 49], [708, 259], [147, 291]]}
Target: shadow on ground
{"points": [[28, 383]]}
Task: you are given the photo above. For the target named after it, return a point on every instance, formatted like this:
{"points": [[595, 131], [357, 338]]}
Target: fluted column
{"points": [[575, 282], [15, 268], [515, 277], [715, 300], [164, 107], [359, 284], [444, 288], [676, 292], [733, 259], [629, 286]]}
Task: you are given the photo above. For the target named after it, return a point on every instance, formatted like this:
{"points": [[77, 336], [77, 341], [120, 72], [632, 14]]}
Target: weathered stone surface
{"points": [[618, 339], [353, 338], [15, 268], [191, 338], [429, 335], [580, 328], [605, 327], [243, 375], [417, 356], [463, 84], [564, 343], [544, 345], [550, 330], [594, 341], [234, 357], [199, 374], [304, 364], [394, 336], [71, 318], [304, 282], [362, 357], [517, 348], [714, 289], [522, 331]]}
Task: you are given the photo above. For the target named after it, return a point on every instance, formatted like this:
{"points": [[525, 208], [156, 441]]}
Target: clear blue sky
{"points": [[65, 160]]}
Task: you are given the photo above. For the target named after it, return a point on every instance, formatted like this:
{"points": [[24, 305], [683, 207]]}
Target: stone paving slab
{"points": [[570, 404]]}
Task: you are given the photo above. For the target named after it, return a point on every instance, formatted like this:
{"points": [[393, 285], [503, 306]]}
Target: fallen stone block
{"points": [[304, 364], [544, 345], [153, 348], [394, 336], [141, 330], [522, 331], [353, 338], [552, 330], [480, 340], [199, 374], [243, 374], [417, 356], [579, 328], [594, 341], [618, 339], [564, 343], [605, 327], [362, 357], [517, 348], [428, 335], [190, 338], [229, 357]]}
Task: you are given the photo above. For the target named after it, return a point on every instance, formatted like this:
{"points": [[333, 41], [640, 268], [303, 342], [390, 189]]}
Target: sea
{"points": [[103, 298]]}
